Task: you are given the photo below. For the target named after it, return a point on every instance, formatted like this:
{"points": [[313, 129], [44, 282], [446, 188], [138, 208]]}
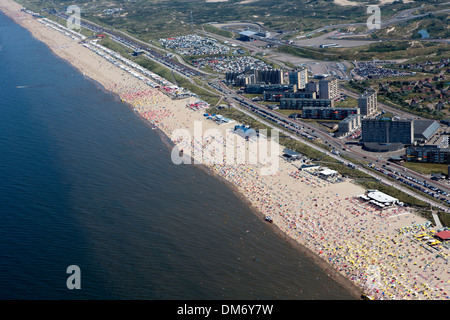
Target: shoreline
{"points": [[323, 265], [301, 225], [347, 284]]}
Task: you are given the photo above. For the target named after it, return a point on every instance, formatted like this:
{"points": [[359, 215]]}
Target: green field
{"points": [[152, 19], [220, 32], [349, 102], [427, 168], [435, 25], [386, 50]]}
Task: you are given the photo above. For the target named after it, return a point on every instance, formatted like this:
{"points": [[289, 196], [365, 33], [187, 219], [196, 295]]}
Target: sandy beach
{"points": [[366, 249]]}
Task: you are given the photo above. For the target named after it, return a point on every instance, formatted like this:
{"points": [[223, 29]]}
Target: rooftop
{"points": [[328, 172], [367, 94], [444, 235], [247, 33], [350, 118], [424, 129], [381, 197], [382, 147], [291, 153]]}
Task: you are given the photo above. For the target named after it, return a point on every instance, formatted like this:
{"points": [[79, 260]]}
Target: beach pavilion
{"points": [[381, 199], [245, 131], [326, 173], [290, 154]]}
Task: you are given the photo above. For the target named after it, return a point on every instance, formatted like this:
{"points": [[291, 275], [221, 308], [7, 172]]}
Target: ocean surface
{"points": [[84, 181]]}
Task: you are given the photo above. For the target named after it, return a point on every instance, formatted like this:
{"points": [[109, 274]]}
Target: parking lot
{"points": [[231, 63], [194, 45]]}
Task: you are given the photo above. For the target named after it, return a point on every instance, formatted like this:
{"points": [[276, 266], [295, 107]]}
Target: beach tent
{"points": [[443, 235], [327, 172], [244, 131], [364, 197]]}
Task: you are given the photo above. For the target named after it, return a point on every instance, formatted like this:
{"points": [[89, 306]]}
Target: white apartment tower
{"points": [[328, 88], [367, 104]]}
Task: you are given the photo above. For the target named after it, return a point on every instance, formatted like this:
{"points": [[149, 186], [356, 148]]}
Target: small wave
{"points": [[30, 86]]}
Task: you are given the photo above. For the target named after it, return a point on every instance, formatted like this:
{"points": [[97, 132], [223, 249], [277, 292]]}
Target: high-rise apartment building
{"points": [[300, 103], [328, 88], [328, 113], [312, 87], [272, 76], [277, 96], [428, 153], [367, 103], [350, 124], [299, 77], [387, 130]]}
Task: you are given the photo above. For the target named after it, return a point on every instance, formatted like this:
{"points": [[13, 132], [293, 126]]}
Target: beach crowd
{"points": [[378, 250]]}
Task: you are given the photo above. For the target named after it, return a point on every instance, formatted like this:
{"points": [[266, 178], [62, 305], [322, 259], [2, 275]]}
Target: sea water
{"points": [[84, 181]]}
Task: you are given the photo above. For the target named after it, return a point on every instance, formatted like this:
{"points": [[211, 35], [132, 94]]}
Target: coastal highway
{"points": [[292, 126], [249, 107], [152, 52], [382, 179], [324, 136]]}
